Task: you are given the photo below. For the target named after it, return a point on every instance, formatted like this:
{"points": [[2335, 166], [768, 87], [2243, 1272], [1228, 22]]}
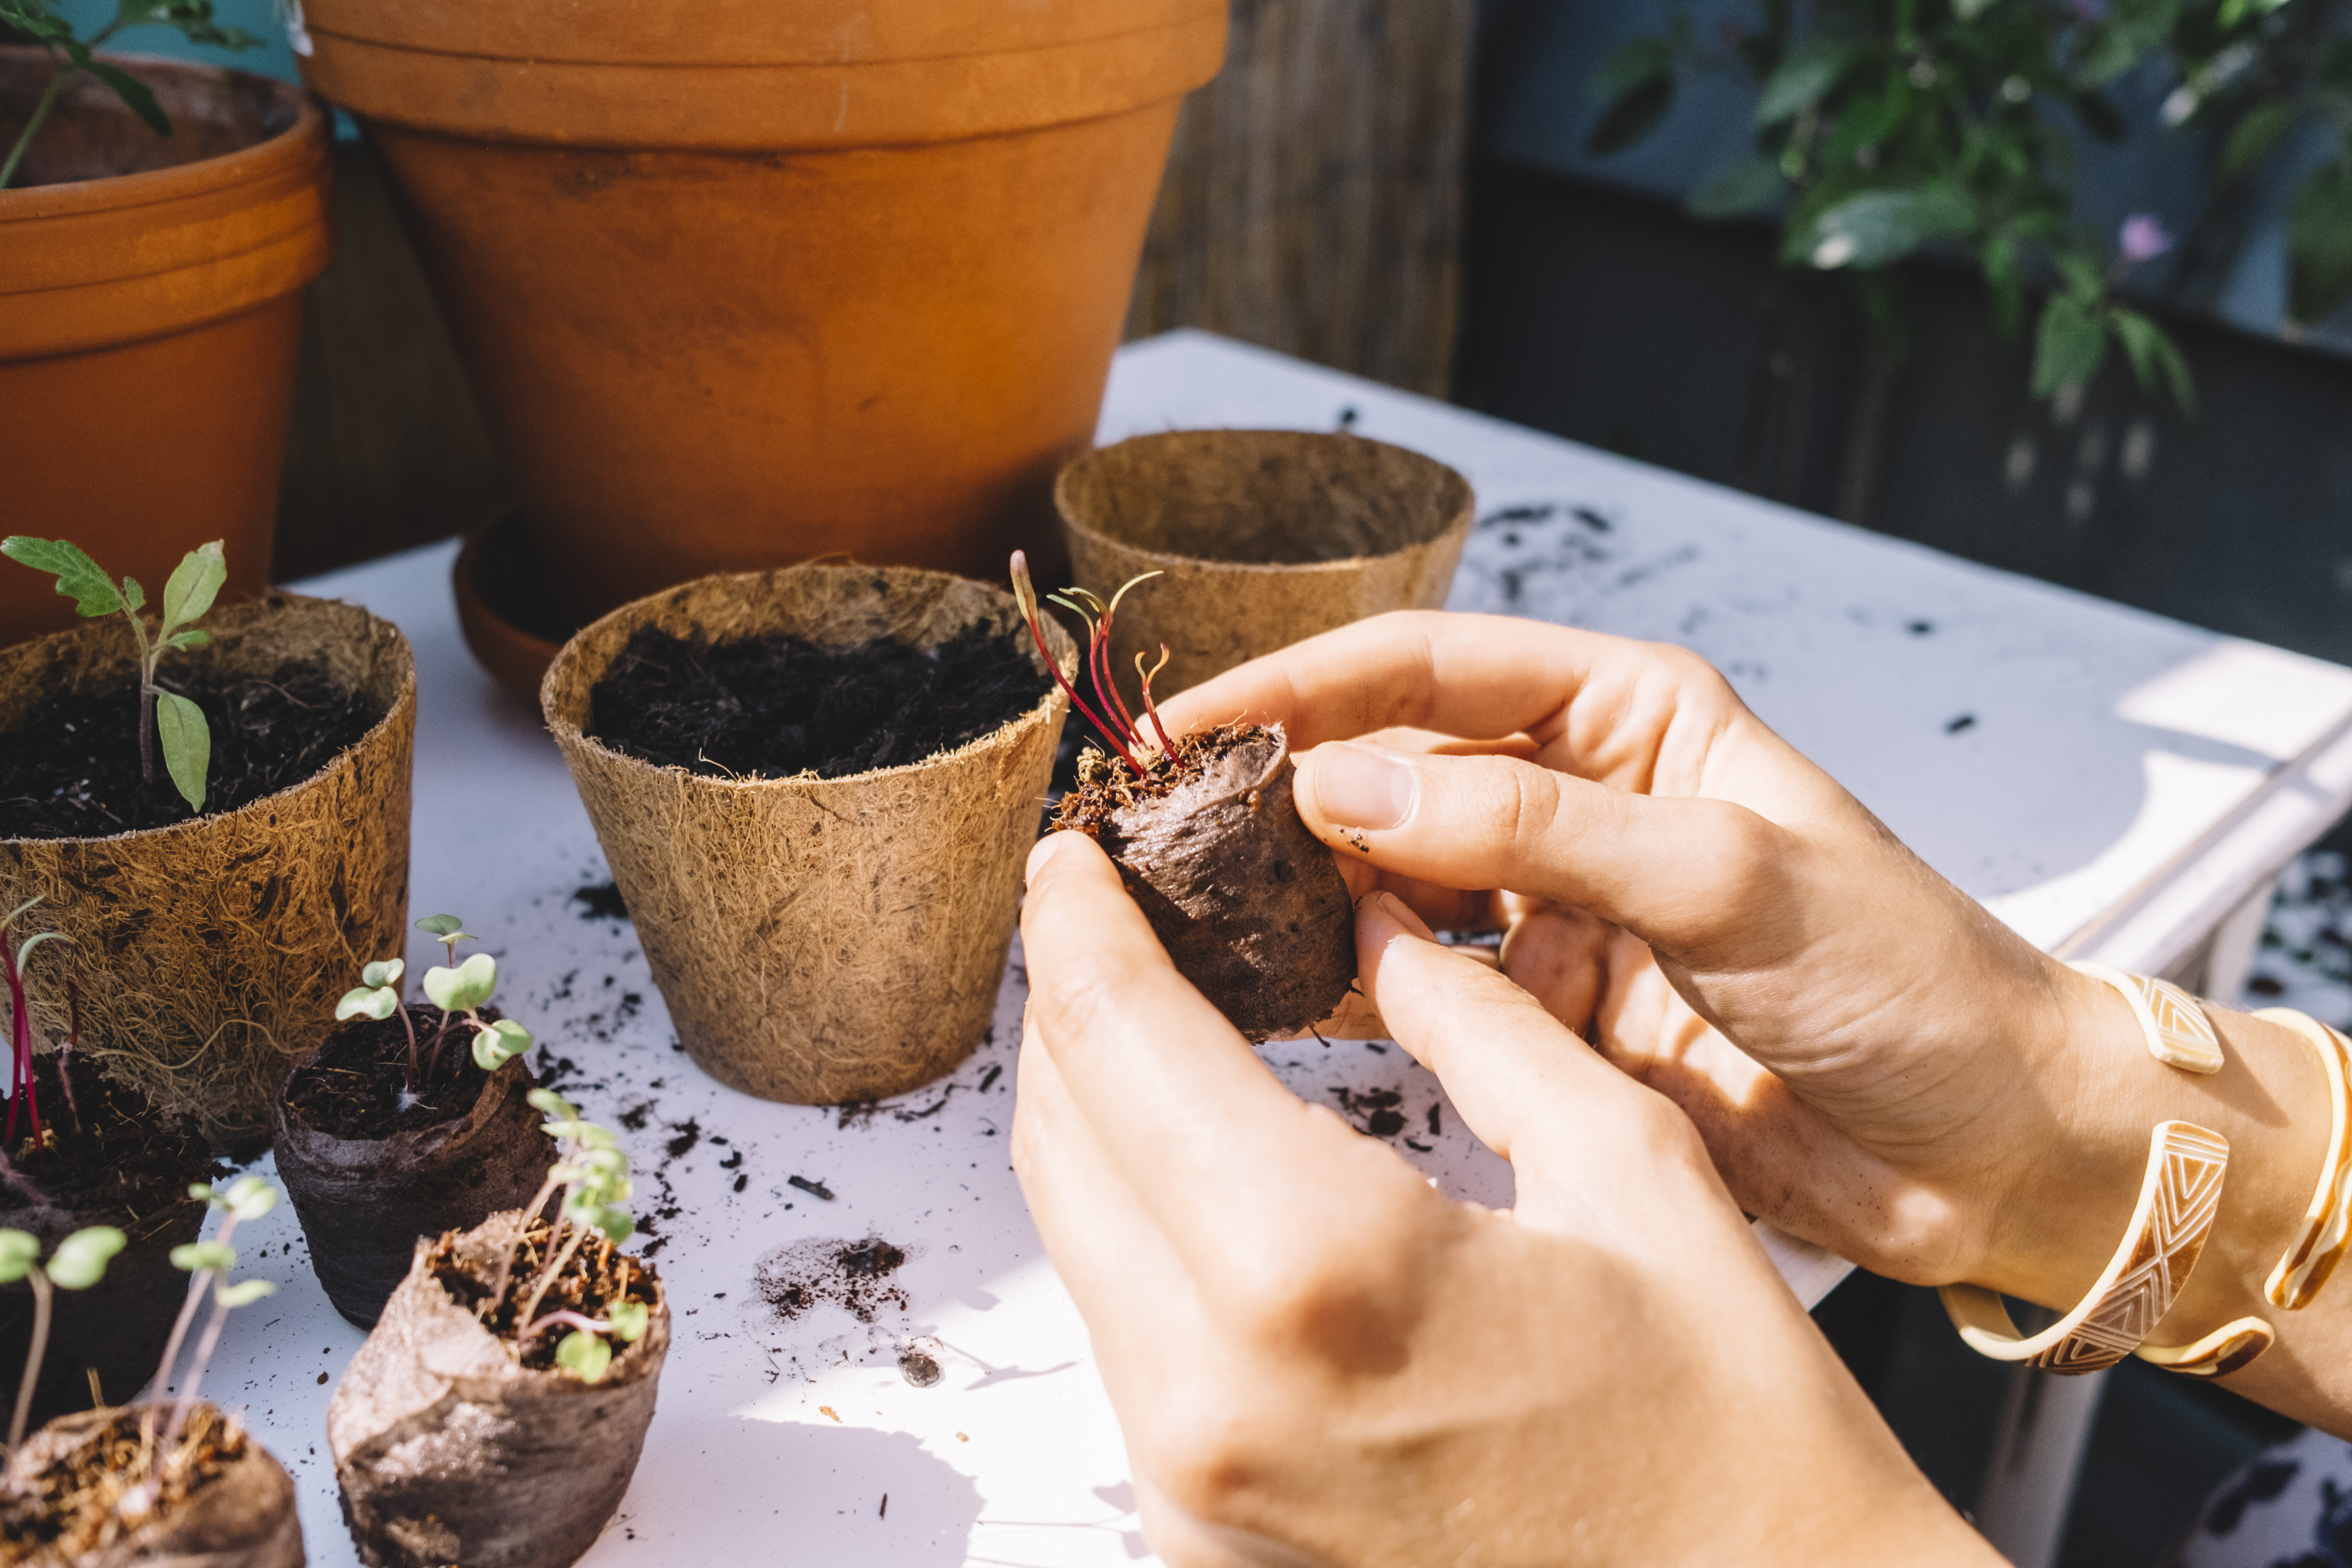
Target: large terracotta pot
{"points": [[151, 299], [748, 281]]}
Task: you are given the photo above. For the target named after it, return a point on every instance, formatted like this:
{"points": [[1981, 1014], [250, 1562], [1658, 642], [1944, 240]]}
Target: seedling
{"points": [[79, 1263], [70, 55], [208, 1264], [593, 1174], [463, 989], [196, 582], [1113, 721], [20, 1024]]}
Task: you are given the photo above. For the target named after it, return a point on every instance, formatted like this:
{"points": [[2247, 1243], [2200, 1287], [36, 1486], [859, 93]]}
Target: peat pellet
{"points": [[238, 1514], [1246, 901]]}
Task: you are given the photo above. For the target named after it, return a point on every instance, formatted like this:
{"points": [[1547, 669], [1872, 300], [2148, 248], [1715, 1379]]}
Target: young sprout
{"points": [[180, 724], [70, 55], [79, 1263], [466, 988], [207, 1263], [594, 1176], [21, 1091], [1114, 722]]}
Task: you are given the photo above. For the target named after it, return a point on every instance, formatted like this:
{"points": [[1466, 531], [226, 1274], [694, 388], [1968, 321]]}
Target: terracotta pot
{"points": [[503, 609], [150, 298], [819, 940], [742, 284], [208, 953], [1262, 538]]}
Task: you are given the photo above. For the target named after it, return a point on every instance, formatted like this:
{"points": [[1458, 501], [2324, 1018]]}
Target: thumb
{"points": [[1681, 872]]}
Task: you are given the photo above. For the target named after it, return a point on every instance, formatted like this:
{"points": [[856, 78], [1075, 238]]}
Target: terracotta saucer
{"points": [[510, 621]]}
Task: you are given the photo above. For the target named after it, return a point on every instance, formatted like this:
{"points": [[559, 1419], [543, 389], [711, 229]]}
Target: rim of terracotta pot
{"points": [[1454, 500], [116, 258], [746, 75]]}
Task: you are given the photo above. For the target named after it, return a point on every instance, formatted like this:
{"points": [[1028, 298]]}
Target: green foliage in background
{"points": [[70, 55]]}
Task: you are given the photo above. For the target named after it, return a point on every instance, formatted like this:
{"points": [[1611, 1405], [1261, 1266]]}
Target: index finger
{"points": [[1232, 1165]]}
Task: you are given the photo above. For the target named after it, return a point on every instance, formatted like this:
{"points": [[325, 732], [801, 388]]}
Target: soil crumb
{"points": [[780, 707], [600, 902], [70, 770], [357, 1086], [852, 1275], [919, 1368]]}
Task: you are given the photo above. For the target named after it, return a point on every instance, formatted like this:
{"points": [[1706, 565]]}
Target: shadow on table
{"points": [[741, 1489]]}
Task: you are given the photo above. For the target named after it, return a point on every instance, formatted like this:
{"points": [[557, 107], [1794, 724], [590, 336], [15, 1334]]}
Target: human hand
{"points": [[1317, 1359], [1875, 1062]]}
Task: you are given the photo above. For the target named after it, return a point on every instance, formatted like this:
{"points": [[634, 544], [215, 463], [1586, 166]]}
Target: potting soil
{"points": [[71, 770], [779, 706], [597, 1275], [69, 1506], [111, 1157], [355, 1086]]}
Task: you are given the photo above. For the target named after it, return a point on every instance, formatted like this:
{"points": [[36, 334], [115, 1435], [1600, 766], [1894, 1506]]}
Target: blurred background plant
{"points": [[70, 55]]}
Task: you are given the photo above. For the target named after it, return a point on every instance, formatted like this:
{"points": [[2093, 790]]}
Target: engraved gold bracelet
{"points": [[2327, 1230]]}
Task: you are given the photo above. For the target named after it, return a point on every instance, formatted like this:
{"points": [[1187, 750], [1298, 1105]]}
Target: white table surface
{"points": [[2121, 781]]}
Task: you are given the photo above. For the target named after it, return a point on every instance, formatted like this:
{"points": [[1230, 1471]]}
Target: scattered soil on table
{"points": [[1377, 1110], [600, 902], [598, 1275], [852, 1275], [919, 1367], [71, 769], [357, 1086], [779, 706], [108, 1156], [69, 1507]]}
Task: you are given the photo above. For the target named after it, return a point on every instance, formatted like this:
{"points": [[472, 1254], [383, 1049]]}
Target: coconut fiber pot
{"points": [[450, 1451], [1265, 536], [160, 275], [819, 940], [364, 1202], [240, 1515], [741, 284], [206, 953]]}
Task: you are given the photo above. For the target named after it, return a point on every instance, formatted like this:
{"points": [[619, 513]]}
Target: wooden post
{"points": [[1313, 202]]}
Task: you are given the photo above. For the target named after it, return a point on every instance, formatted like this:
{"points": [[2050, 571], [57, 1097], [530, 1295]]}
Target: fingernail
{"points": [[1396, 909], [1358, 787], [1039, 853]]}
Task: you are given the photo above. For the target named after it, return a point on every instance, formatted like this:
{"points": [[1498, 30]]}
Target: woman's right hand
{"points": [[1877, 1064]]}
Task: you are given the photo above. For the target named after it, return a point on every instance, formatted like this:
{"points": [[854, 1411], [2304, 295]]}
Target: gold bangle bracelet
{"points": [[2327, 1230], [2177, 1033], [2177, 1200]]}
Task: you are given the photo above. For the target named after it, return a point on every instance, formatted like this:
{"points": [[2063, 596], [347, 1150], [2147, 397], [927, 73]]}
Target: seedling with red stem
{"points": [[1113, 720], [21, 1092]]}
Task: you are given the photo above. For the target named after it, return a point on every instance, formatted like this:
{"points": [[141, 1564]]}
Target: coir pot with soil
{"points": [[228, 1503], [109, 1159], [370, 1175], [452, 1444], [815, 788], [1262, 538], [207, 948], [162, 274], [742, 285]]}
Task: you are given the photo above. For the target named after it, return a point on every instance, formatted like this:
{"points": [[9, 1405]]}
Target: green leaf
{"points": [[499, 1044], [2156, 360], [80, 1259], [382, 971], [1634, 63], [2132, 28], [78, 577], [466, 987], [195, 1256], [1879, 226], [244, 1293], [1622, 123], [197, 639], [630, 1320], [187, 745], [584, 1356], [134, 94], [195, 583], [2319, 242], [617, 1223], [1736, 190], [444, 928], [551, 1103], [17, 1251], [364, 1002], [133, 595], [1969, 10], [1811, 70], [2252, 139], [250, 1197], [2068, 346]]}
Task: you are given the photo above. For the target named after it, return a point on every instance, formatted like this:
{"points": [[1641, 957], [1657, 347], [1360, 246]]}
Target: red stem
{"points": [[1055, 667], [1100, 652], [1151, 709], [21, 1042]]}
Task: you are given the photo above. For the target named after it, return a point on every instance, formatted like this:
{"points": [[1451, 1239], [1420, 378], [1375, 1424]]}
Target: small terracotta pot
{"points": [[739, 286], [243, 1518], [208, 954], [363, 1202], [503, 610], [819, 940], [1262, 538], [153, 294]]}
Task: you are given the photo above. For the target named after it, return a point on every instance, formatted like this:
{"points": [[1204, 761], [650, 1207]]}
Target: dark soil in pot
{"points": [[226, 1501], [777, 706], [372, 1168], [69, 769], [451, 1447], [109, 1159], [1247, 902]]}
